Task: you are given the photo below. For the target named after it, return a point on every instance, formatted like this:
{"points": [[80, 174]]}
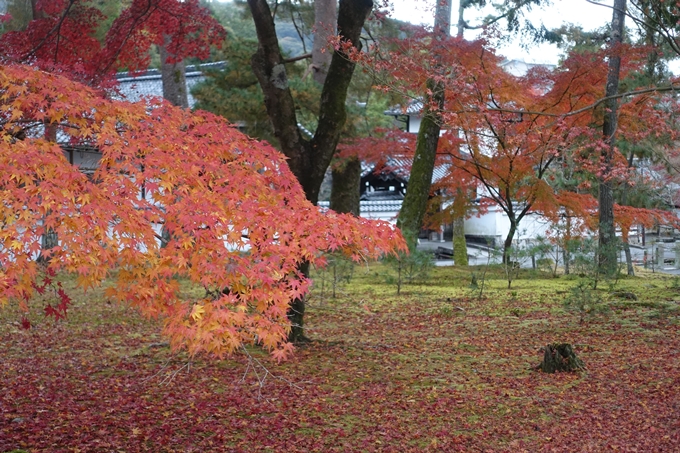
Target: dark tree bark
{"points": [[566, 254], [607, 254], [346, 177], [560, 357], [460, 25], [346, 187], [507, 244], [307, 159], [418, 191]]}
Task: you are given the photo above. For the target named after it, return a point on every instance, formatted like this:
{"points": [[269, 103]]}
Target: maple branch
{"points": [[586, 108], [298, 58], [136, 20], [261, 379], [161, 239], [55, 29], [168, 379], [297, 29], [495, 19]]}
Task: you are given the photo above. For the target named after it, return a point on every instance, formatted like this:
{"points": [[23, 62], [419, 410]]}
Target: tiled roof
{"points": [[366, 206], [148, 83], [401, 168], [413, 108]]}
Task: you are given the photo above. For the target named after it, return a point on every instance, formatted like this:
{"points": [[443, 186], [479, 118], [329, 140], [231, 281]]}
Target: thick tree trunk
{"points": [[347, 175], [607, 236], [346, 187], [308, 160], [37, 13], [418, 191], [173, 76]]}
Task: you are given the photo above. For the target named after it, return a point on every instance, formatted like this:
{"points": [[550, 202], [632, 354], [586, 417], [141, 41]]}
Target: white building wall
{"points": [[494, 223], [414, 124]]}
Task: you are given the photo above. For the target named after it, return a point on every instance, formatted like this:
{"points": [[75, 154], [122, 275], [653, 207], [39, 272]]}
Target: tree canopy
{"points": [[238, 222]]}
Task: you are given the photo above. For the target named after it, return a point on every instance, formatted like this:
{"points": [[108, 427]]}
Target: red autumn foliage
{"points": [[402, 377], [513, 133], [238, 221], [62, 37]]}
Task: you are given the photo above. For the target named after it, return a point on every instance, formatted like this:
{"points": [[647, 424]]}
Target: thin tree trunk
{"points": [[652, 61], [325, 12], [460, 257], [626, 245], [296, 313], [507, 245], [49, 239], [566, 255], [418, 191], [607, 234], [460, 26], [629, 259], [173, 78]]}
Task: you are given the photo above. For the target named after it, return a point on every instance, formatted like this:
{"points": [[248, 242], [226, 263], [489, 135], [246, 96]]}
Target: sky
{"points": [[578, 12]]}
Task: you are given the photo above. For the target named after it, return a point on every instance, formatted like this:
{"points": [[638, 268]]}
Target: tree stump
{"points": [[560, 357]]}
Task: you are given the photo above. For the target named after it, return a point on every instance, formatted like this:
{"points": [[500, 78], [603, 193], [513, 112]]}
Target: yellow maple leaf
{"points": [[197, 312]]}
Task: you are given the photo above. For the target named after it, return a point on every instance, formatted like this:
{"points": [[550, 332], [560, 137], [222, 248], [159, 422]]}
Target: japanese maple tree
{"points": [[62, 37], [239, 223], [513, 129]]}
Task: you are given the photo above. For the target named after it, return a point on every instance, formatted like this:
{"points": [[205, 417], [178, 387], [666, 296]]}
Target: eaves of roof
{"points": [[134, 86]]}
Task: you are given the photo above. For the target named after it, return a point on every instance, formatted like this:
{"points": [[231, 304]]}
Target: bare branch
{"points": [[594, 104], [298, 58]]}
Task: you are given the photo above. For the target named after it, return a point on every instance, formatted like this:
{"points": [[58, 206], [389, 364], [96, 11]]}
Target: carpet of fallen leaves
{"points": [[435, 369]]}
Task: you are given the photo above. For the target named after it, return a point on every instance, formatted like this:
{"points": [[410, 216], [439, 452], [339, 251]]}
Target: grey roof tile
{"points": [[148, 83]]}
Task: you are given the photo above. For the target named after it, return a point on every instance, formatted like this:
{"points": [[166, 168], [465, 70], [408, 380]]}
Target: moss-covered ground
{"points": [[441, 367]]}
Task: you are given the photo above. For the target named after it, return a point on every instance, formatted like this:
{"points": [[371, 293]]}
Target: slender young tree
{"points": [[415, 202], [607, 232]]}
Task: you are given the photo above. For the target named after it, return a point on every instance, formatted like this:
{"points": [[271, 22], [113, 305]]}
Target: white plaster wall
{"points": [[495, 223], [414, 124]]}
